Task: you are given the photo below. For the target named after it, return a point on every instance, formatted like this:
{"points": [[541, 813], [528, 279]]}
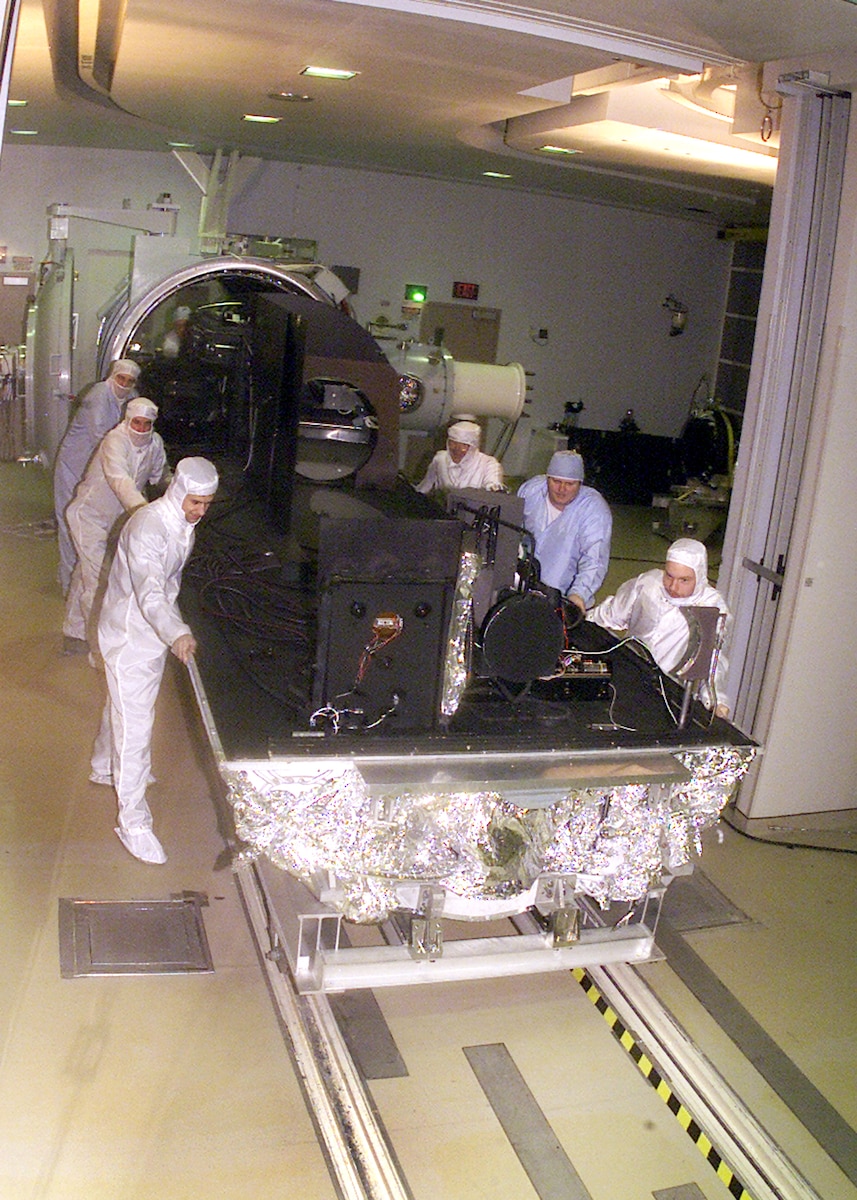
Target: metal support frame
{"points": [[561, 932], [473, 958]]}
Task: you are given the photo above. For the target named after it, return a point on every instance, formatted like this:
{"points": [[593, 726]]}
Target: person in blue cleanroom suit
{"points": [[99, 410], [572, 525], [140, 624]]}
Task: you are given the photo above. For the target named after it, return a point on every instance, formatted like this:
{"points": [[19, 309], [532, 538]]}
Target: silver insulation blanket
{"points": [[617, 841]]}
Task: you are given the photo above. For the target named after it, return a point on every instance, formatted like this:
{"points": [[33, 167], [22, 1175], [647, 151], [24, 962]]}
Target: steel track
{"points": [[362, 1163]]}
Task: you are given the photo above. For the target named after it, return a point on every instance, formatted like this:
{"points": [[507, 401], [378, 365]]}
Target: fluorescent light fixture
{"points": [[677, 147], [25, 132], [635, 125], [17, 103], [261, 119], [505, 174], [181, 145], [328, 73]]}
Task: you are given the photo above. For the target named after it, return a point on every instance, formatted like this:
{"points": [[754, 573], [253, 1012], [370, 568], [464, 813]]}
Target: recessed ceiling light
{"points": [[559, 150], [290, 97], [261, 119], [25, 132], [496, 175], [181, 145], [328, 73], [17, 103]]}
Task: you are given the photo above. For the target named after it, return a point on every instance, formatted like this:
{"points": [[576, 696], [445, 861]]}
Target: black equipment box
{"points": [[385, 597]]}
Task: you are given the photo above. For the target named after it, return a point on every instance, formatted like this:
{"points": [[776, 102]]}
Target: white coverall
{"points": [[124, 462], [643, 609], [139, 622], [476, 470], [99, 410]]}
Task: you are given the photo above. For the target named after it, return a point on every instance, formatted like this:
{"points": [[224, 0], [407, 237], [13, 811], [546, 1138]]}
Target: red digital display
{"points": [[465, 291]]}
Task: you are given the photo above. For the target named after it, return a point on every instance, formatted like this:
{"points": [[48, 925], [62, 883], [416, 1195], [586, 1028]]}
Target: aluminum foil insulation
{"points": [[456, 665], [617, 841]]}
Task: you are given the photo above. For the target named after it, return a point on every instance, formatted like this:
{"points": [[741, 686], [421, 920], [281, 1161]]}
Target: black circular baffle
{"points": [[522, 637]]}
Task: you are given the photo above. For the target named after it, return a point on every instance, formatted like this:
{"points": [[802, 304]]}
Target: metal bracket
{"points": [[555, 901], [426, 934]]}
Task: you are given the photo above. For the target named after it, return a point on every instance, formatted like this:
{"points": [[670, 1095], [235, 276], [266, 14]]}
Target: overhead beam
{"points": [[560, 27]]}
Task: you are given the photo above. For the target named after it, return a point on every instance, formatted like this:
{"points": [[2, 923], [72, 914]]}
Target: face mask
{"points": [[139, 440], [121, 393]]}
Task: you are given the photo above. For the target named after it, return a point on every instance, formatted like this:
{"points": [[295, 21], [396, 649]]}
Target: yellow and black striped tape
{"points": [[663, 1089]]}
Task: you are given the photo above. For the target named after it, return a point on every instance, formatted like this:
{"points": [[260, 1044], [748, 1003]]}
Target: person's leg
{"points": [[74, 624], [90, 542], [65, 482], [96, 599], [90, 562], [101, 763], [133, 681]]}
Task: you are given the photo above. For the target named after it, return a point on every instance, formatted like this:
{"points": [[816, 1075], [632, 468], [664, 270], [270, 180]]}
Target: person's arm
{"points": [[429, 480], [117, 471], [101, 412], [614, 613], [593, 542], [148, 551], [492, 476], [160, 474]]}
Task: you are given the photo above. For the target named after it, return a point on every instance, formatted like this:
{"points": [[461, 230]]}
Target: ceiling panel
{"points": [[433, 95]]}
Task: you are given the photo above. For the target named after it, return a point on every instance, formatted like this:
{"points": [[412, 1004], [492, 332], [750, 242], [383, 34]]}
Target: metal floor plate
{"points": [[693, 902], [133, 937]]}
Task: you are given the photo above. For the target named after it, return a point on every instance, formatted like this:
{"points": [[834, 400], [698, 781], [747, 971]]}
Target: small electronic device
{"points": [[580, 676]]}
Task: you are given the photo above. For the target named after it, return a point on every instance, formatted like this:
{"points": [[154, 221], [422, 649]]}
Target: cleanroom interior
{"points": [[179, 1083]]}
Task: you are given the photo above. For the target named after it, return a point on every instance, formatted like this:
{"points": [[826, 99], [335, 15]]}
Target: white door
{"points": [[770, 469]]}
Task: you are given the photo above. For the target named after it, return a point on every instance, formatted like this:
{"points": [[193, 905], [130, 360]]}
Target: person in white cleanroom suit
{"points": [[572, 526], [128, 457], [100, 408], [140, 624], [176, 335], [648, 607], [462, 464]]}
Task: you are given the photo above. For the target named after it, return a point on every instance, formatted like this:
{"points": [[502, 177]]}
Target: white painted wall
{"points": [[595, 277], [33, 178]]}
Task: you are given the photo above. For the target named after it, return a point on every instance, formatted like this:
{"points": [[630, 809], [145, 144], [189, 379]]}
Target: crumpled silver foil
{"points": [[617, 841], [455, 667]]}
